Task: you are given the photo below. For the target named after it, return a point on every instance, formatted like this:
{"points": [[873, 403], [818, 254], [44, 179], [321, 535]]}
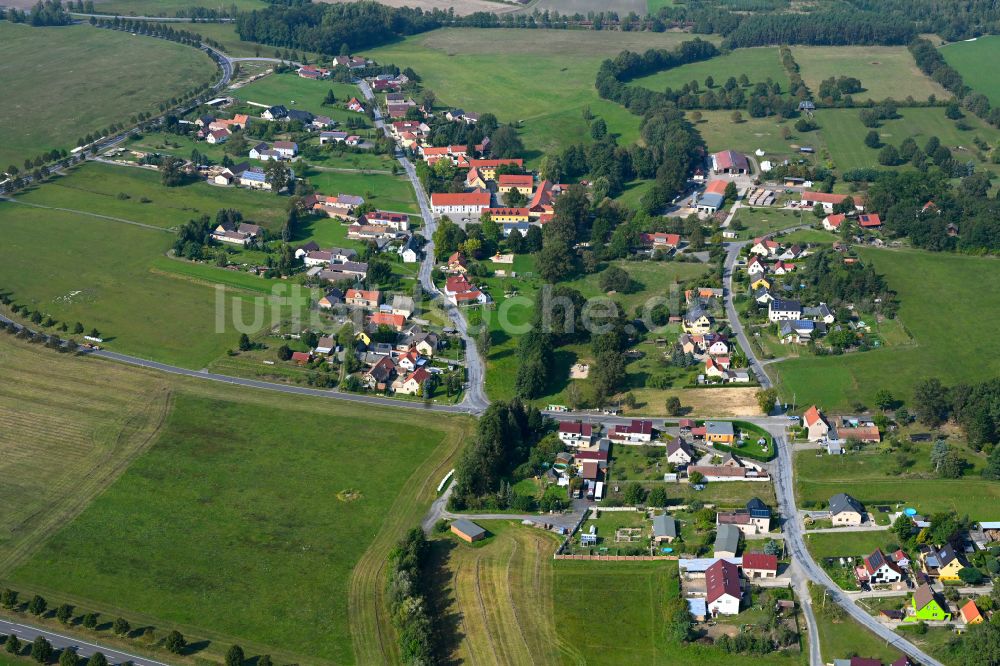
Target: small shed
{"points": [[468, 530]]}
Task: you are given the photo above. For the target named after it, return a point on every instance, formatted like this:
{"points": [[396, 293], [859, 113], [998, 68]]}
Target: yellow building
{"points": [[524, 184], [502, 215]]}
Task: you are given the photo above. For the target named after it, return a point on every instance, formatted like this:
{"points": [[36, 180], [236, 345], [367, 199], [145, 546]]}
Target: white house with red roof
{"points": [[723, 591], [765, 246], [760, 565], [459, 291], [827, 200], [639, 431], [412, 383], [756, 266], [878, 569], [462, 203], [576, 433], [834, 222]]}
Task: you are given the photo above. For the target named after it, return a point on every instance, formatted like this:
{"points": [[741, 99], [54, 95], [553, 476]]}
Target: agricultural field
{"points": [[759, 64], [81, 69], [76, 267], [502, 595], [136, 194], [884, 71], [70, 427], [549, 77], [964, 287], [968, 58], [877, 479], [287, 563], [844, 135]]}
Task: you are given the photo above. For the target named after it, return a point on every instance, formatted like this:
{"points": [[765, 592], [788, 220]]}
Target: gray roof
{"points": [[718, 428], [786, 305], [727, 538], [468, 528], [842, 502], [664, 526], [711, 199]]}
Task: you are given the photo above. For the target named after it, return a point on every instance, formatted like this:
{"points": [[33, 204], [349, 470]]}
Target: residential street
{"points": [[732, 254]]}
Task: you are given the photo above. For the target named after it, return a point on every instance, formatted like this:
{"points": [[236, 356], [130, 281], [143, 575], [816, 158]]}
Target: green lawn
{"points": [[96, 188], [545, 81], [849, 544], [751, 134], [969, 59], [91, 77], [294, 91], [79, 268], [874, 479], [884, 71], [942, 297], [202, 532], [384, 191], [760, 221], [759, 64], [843, 637], [635, 632], [844, 133]]}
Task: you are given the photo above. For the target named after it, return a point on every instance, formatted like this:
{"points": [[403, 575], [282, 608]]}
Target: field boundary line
{"points": [[109, 218]]}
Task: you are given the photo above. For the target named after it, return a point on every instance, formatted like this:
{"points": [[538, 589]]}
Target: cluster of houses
{"points": [[316, 72], [403, 366], [241, 234], [218, 130], [835, 433], [457, 288], [706, 345]]}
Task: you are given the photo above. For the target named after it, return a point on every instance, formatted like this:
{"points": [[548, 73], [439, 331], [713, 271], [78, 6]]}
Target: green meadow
{"points": [[942, 298], [759, 64], [969, 59], [544, 80], [884, 71], [65, 82]]}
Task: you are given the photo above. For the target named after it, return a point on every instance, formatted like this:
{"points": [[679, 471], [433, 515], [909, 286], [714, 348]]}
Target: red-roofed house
{"points": [[723, 591], [301, 357], [970, 613], [661, 241], [575, 433], [833, 222], [815, 424], [394, 321], [872, 221], [467, 203], [459, 291], [488, 168], [412, 383], [760, 565], [522, 183], [827, 200], [729, 161], [362, 298], [639, 430], [716, 187]]}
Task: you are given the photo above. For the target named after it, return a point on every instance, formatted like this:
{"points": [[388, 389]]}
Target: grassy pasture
{"points": [[839, 638], [544, 79], [68, 428], [721, 133], [80, 268], [284, 563], [873, 479], [759, 64], [971, 60], [635, 632], [942, 296], [65, 82], [844, 135], [384, 191], [884, 71], [95, 188], [760, 221], [296, 92]]}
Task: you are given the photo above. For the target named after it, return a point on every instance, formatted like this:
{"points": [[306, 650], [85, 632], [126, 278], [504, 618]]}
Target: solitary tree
{"points": [[235, 656], [68, 658], [97, 659], [13, 645], [64, 613], [245, 344], [8, 598], [674, 407], [766, 399]]}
